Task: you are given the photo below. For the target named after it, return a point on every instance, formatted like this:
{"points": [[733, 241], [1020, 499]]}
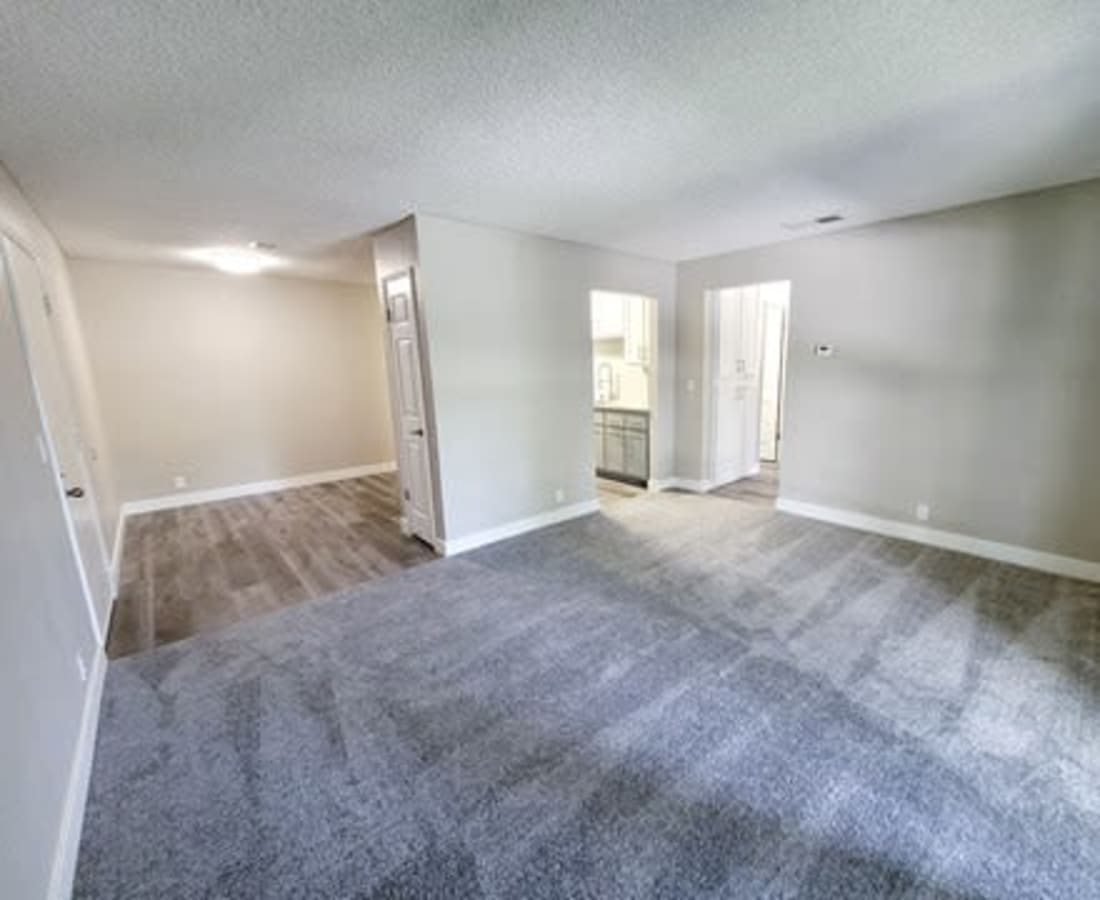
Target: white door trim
{"points": [[67, 849], [707, 393]]}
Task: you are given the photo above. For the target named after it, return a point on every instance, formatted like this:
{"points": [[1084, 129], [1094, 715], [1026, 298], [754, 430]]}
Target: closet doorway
{"points": [[745, 359]]}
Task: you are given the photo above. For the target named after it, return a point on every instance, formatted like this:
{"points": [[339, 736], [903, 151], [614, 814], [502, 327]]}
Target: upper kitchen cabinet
{"points": [[636, 331], [622, 317], [608, 320], [740, 356]]}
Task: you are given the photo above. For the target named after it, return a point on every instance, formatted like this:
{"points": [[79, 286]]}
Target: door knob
{"points": [[419, 432], [75, 492]]}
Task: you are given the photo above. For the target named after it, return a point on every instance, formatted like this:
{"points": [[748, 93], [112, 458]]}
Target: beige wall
{"points": [[966, 371], [227, 380]]}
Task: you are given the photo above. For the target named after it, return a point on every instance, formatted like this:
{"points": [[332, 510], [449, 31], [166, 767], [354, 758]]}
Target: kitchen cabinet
{"points": [[607, 316], [636, 455], [621, 439], [740, 341], [623, 317], [636, 331]]}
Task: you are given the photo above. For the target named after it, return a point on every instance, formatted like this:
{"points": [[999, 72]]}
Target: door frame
{"points": [[781, 393], [49, 444], [384, 281], [708, 396], [652, 308]]}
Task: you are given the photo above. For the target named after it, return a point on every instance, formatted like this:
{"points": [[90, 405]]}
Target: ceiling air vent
{"points": [[803, 224]]}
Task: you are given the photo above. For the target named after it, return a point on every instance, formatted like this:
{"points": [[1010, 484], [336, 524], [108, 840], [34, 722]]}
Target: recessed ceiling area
{"points": [[141, 129]]}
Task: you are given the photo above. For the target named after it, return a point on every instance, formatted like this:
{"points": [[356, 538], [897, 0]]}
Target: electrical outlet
{"points": [[924, 512], [559, 495], [81, 667], [179, 482]]}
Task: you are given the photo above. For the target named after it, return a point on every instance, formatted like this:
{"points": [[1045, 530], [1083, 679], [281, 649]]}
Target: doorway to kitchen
{"points": [[746, 360], [624, 382]]}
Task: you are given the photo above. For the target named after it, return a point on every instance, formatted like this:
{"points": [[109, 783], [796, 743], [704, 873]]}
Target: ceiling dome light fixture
{"points": [[236, 260]]}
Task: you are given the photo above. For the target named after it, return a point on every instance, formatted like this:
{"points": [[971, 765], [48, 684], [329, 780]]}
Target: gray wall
{"points": [[227, 379], [508, 325], [966, 375]]}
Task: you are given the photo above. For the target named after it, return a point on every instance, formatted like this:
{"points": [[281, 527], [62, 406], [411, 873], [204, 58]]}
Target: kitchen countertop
{"points": [[607, 407]]}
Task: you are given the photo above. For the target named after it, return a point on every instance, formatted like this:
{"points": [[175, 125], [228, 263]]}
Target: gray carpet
{"points": [[681, 697]]}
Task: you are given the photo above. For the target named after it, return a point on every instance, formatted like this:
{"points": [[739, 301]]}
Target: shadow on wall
{"points": [[964, 373]]}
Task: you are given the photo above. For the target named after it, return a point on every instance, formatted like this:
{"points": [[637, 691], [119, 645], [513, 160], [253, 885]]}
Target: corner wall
{"points": [[508, 326], [966, 368]]}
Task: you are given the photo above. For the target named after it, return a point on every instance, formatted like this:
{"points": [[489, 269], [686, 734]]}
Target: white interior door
{"points": [[735, 383], [407, 397], [46, 632], [63, 440]]}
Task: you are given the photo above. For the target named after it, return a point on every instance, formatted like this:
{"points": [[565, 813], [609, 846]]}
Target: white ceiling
{"points": [[141, 128]]}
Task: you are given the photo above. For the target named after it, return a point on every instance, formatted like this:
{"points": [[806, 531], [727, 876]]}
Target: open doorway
{"points": [[624, 392], [746, 361]]}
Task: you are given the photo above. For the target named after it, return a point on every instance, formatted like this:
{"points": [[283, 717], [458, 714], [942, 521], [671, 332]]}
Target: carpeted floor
{"points": [[679, 697]]}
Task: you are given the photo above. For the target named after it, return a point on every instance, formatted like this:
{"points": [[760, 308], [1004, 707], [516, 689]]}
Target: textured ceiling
{"points": [[140, 128]]}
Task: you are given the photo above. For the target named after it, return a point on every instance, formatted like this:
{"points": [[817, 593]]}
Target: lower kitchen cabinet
{"points": [[621, 444], [636, 455]]}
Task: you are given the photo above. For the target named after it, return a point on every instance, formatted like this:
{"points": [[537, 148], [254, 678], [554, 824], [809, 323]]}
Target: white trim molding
{"points": [[116, 554], [469, 542], [76, 793], [1067, 566], [693, 485], [191, 498]]}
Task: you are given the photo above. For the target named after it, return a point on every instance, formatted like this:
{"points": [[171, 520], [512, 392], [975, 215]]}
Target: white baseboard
{"points": [[468, 542], [191, 498], [116, 554], [948, 540], [694, 485], [76, 794]]}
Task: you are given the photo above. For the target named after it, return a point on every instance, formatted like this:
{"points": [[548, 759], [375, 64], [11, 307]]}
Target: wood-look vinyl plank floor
{"points": [[762, 489], [610, 491], [198, 568]]}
